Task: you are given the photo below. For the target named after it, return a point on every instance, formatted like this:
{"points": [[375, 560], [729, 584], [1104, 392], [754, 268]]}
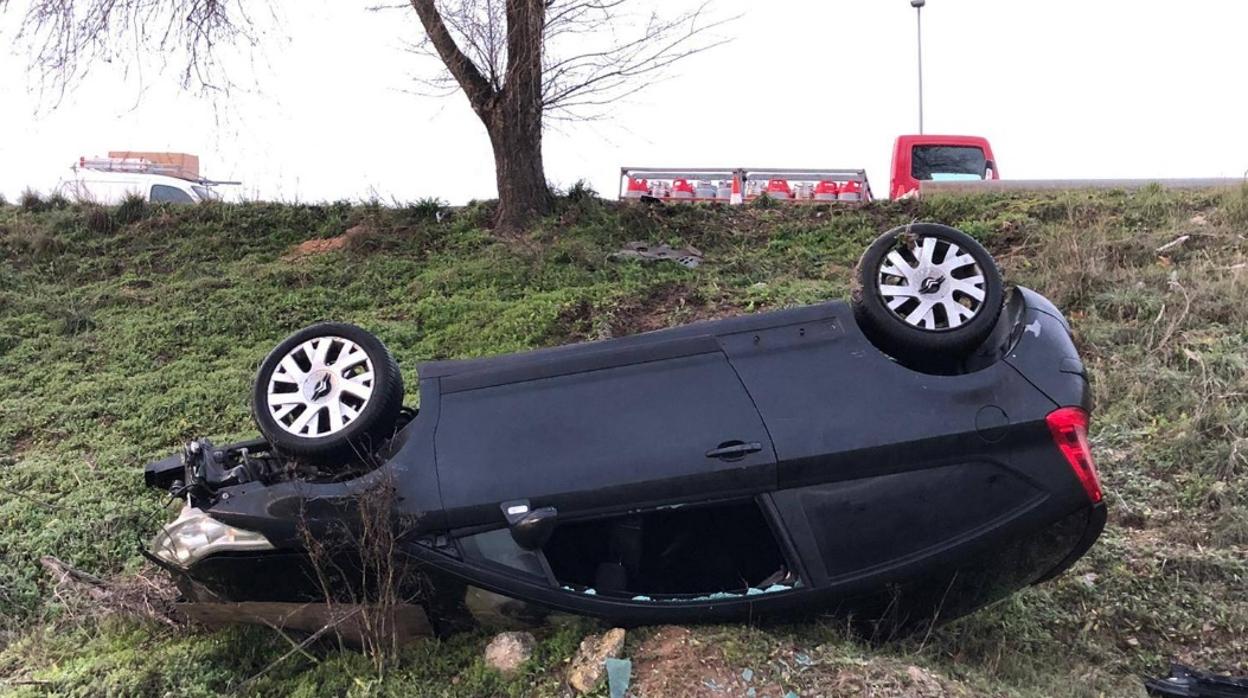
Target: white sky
{"points": [[1062, 88]]}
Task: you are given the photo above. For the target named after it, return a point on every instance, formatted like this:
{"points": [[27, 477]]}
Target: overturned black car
{"points": [[908, 456]]}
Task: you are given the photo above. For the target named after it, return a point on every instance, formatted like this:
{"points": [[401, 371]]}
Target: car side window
{"points": [[162, 193]]}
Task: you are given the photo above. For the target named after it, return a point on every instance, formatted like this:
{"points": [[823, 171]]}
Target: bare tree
{"points": [[521, 62], [518, 62]]}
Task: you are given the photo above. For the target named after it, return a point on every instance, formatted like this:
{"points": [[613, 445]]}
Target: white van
{"points": [[110, 188]]}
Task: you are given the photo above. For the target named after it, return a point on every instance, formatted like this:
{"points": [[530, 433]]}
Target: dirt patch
{"points": [[678, 661], [674, 662], [308, 248], [668, 305], [665, 306]]}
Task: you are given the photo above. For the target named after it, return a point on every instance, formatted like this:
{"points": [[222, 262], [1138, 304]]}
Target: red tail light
{"points": [[1069, 426]]}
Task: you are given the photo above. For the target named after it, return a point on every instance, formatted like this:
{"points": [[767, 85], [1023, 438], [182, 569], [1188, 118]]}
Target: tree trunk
{"points": [[512, 114], [515, 130]]}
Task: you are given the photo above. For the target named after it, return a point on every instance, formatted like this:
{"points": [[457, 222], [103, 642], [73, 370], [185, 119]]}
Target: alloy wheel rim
{"points": [[320, 387], [932, 284]]}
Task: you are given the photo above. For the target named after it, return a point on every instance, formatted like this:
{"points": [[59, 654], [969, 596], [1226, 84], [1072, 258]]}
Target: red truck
{"points": [[916, 159]]}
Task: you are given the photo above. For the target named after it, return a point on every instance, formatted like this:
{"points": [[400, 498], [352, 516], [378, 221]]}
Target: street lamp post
{"points": [[918, 15]]}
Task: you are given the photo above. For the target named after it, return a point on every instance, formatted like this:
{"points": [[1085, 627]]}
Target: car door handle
{"points": [[732, 450]]}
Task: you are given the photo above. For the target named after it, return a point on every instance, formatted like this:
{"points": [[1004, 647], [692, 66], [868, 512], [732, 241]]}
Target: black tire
{"points": [[938, 335], [326, 388]]}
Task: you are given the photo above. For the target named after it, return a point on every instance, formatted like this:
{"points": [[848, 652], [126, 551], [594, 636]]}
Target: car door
{"points": [[602, 429]]}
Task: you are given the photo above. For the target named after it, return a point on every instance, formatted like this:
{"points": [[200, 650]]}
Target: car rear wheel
{"points": [[927, 293], [328, 391]]}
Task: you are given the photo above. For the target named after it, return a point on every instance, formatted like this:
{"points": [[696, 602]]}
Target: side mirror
{"points": [[530, 528], [990, 169]]}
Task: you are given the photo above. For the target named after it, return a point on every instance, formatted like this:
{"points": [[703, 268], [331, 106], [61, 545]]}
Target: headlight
{"points": [[194, 535]]}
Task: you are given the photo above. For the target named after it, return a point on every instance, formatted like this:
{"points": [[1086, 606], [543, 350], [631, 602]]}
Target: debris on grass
{"points": [[1184, 681], [1173, 243], [619, 674], [146, 595], [688, 257]]}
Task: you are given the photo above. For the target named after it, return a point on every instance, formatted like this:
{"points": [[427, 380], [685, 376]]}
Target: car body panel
{"points": [[594, 434]]}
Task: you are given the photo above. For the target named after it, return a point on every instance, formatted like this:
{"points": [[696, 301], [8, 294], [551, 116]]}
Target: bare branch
{"points": [[594, 53], [593, 79], [67, 37], [467, 74]]}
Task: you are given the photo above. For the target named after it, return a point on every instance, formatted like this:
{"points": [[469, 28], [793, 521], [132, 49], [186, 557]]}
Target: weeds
{"points": [[764, 203], [132, 209], [98, 220], [31, 202], [1234, 207], [31, 243], [580, 192], [429, 208], [356, 561]]}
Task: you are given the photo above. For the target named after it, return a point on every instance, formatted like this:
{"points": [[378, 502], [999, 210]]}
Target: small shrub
{"points": [[98, 220], [131, 210], [76, 321], [34, 242], [765, 203], [1232, 528], [480, 214], [581, 192], [1235, 206], [1149, 208], [3, 201], [367, 237], [372, 206], [32, 202], [57, 201], [428, 208]]}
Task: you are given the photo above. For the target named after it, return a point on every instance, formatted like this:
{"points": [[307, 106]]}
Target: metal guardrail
{"points": [[741, 176]]}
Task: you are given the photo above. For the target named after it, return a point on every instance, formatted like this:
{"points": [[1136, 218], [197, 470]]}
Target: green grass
{"points": [[126, 331]]}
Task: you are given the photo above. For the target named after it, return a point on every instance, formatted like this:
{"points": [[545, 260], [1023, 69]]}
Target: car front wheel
{"points": [[328, 391]]}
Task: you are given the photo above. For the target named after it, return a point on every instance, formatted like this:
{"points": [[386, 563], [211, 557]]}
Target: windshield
{"points": [[947, 162]]}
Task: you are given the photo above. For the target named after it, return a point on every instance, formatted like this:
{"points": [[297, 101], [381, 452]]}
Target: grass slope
{"points": [[124, 332]]}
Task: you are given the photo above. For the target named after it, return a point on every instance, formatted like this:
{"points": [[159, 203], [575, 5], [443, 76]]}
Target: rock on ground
{"points": [[589, 665], [507, 651]]}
